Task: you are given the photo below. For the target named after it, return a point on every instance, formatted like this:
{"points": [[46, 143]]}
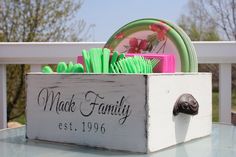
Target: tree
{"points": [[39, 20], [36, 20], [196, 32], [220, 14], [200, 26], [223, 12], [1, 37]]}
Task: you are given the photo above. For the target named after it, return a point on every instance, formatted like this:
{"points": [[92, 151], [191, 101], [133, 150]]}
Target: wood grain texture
{"points": [[76, 128], [121, 112], [165, 129]]}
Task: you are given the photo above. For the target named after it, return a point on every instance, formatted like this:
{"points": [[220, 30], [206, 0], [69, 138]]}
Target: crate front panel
{"points": [[106, 111]]}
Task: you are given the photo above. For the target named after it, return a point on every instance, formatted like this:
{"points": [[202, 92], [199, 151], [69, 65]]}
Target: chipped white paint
{"points": [[165, 129], [121, 112], [86, 119]]}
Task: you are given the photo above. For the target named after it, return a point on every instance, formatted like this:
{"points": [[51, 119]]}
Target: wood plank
{"points": [[3, 101], [96, 110], [165, 129], [225, 85]]}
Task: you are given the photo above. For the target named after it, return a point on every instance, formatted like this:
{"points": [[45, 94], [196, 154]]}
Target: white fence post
{"points": [[225, 82], [3, 101]]}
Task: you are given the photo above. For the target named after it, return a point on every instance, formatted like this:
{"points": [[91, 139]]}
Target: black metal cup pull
{"points": [[186, 104]]}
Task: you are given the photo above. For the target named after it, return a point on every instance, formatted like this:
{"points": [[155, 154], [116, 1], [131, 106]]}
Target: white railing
{"points": [[35, 54]]}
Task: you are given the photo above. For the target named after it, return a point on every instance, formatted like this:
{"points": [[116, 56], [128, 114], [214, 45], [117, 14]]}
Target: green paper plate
{"points": [[159, 37], [193, 63], [191, 50]]}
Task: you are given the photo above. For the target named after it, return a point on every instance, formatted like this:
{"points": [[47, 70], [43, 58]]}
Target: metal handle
{"points": [[186, 104]]}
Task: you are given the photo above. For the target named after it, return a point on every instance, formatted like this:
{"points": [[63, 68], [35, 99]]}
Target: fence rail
{"points": [[36, 54]]}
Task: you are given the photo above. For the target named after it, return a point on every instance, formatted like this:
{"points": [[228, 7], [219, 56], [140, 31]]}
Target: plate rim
{"points": [[185, 64]]}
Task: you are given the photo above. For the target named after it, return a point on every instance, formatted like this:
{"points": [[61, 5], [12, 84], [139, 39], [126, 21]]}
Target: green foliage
{"points": [[1, 37], [40, 20], [217, 17], [198, 32], [33, 21], [16, 90], [215, 107]]}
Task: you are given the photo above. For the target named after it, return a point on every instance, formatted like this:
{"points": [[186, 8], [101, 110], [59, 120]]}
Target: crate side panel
{"points": [[165, 129]]}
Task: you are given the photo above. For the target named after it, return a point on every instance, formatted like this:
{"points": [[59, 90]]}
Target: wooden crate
{"points": [[121, 112]]}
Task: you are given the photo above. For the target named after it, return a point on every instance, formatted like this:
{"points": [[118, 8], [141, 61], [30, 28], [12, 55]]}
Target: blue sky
{"points": [[110, 15]]}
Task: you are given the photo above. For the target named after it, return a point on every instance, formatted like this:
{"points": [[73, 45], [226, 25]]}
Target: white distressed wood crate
{"points": [[120, 112]]}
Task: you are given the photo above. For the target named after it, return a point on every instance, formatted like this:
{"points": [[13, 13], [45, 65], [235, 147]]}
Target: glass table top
{"points": [[221, 143]]}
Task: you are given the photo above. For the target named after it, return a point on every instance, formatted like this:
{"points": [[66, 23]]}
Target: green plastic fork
{"points": [[135, 65]]}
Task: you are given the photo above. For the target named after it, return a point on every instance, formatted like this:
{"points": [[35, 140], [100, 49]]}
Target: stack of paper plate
{"points": [[155, 36]]}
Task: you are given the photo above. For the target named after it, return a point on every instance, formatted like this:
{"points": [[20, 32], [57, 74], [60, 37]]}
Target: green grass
{"points": [[234, 100], [215, 105], [21, 119]]}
